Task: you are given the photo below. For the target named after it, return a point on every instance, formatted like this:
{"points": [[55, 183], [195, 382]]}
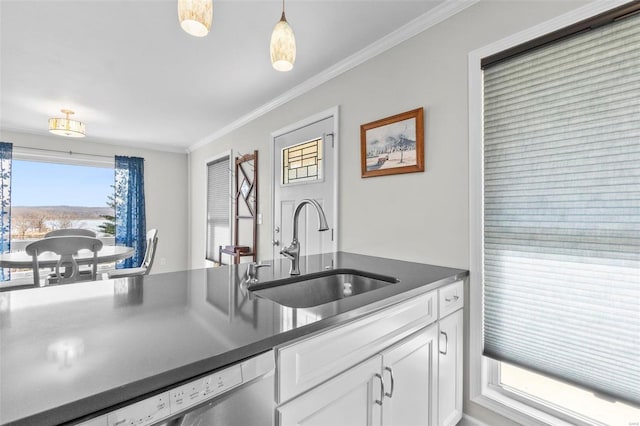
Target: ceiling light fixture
{"points": [[283, 45], [195, 16], [66, 126]]}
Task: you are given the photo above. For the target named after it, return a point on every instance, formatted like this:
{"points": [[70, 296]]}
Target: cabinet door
{"points": [[450, 371], [348, 399], [410, 378]]}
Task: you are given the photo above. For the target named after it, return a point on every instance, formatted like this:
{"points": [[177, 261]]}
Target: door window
{"points": [[302, 162]]}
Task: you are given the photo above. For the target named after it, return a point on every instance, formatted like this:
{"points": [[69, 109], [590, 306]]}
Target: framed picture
{"points": [[393, 145]]}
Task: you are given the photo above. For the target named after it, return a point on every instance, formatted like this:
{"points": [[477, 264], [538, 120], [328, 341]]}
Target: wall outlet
{"points": [[163, 260]]}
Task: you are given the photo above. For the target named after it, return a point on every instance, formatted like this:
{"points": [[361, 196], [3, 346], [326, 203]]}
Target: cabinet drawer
{"points": [[347, 399], [450, 298], [310, 362]]}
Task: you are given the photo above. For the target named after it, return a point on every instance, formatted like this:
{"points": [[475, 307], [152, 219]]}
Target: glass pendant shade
{"points": [[66, 126], [283, 46], [195, 16]]}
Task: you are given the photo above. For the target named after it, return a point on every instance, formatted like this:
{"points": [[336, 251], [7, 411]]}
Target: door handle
{"points": [[393, 385], [446, 343], [379, 401]]}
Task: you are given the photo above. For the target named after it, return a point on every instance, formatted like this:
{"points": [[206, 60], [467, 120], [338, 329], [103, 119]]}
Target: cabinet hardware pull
{"points": [[393, 385], [451, 298], [446, 343], [379, 401]]}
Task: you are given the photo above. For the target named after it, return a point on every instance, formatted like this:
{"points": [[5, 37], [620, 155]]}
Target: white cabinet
{"points": [[309, 362], [396, 387], [401, 366], [450, 369], [450, 298], [348, 399], [410, 377]]}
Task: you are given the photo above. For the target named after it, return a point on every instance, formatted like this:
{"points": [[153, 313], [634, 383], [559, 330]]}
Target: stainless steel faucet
{"points": [[292, 252]]}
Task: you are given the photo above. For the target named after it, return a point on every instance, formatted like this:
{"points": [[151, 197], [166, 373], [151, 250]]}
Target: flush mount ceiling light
{"points": [[195, 16], [66, 126], [283, 45]]}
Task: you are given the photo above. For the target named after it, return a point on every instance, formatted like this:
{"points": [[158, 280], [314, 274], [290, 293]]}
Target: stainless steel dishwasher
{"points": [[238, 395]]}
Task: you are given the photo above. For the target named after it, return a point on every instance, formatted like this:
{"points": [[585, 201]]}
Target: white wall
{"points": [[420, 217], [165, 190]]}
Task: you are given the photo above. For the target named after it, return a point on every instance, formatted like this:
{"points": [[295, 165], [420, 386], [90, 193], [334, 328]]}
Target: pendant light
{"points": [[66, 126], [283, 45], [195, 16]]}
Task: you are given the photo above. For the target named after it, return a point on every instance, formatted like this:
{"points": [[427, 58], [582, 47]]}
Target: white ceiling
{"points": [[135, 78]]}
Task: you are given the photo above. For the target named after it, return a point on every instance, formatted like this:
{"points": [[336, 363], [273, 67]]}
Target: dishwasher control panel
{"points": [[179, 399], [204, 389], [144, 412]]}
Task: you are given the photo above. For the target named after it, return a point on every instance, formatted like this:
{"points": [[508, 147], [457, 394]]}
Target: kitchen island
{"points": [[69, 352]]}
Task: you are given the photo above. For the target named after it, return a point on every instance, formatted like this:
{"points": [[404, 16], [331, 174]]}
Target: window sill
{"points": [[514, 410]]}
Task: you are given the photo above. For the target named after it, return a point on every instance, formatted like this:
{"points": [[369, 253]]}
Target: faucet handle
{"points": [[286, 253]]}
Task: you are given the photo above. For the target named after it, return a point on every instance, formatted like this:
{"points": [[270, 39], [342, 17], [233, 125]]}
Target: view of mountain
{"points": [[34, 221], [71, 212]]}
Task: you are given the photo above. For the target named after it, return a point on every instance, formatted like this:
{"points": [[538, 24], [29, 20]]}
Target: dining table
{"points": [[107, 254]]}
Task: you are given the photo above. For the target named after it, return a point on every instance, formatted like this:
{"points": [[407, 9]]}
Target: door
{"points": [[346, 400], [410, 375], [450, 370], [304, 167]]}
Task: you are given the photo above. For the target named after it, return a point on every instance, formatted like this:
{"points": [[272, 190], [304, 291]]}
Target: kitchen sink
{"points": [[316, 289]]}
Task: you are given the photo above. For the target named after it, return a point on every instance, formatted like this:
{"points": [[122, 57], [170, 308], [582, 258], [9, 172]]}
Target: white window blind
{"points": [[562, 210], [218, 206]]}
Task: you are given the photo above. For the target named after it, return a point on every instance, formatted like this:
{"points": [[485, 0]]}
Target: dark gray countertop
{"points": [[68, 352]]}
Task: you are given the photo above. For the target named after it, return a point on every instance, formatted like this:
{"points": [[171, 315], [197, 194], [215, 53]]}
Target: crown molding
{"points": [[443, 11]]}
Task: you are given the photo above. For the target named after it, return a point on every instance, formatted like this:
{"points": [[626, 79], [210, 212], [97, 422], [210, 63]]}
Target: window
{"points": [[569, 401], [556, 229], [48, 196], [218, 206], [50, 191], [302, 162]]}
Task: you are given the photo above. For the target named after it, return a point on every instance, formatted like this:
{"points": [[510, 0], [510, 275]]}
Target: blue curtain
{"points": [[130, 215], [6, 154]]}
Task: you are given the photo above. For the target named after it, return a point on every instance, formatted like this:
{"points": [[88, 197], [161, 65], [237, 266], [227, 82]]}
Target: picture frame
{"points": [[393, 145]]}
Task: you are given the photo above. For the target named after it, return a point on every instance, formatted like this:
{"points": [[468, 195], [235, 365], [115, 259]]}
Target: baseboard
{"points": [[467, 420]]}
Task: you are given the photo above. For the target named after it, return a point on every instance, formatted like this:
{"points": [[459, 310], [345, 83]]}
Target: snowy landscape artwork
{"points": [[393, 145]]}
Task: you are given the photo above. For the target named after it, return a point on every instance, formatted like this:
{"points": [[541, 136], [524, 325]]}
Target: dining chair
{"points": [[147, 262], [70, 232], [66, 248], [85, 274]]}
